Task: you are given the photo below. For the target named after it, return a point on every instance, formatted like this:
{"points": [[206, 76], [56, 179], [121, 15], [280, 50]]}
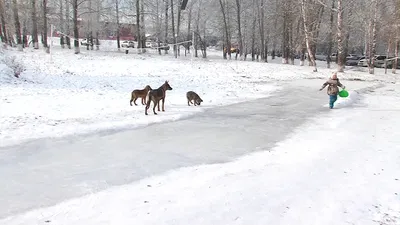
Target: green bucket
{"points": [[343, 93]]}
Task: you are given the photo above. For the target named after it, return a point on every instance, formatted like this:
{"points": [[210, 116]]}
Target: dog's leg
{"points": [[134, 100], [147, 106], [158, 105], [154, 108], [144, 100], [188, 102], [163, 99], [131, 100]]}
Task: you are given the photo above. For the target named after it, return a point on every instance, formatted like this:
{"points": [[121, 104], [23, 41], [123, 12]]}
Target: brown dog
{"points": [[140, 94], [156, 95], [191, 95]]}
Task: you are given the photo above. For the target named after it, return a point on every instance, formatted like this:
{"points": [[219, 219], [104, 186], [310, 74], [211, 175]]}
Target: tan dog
{"points": [[140, 94], [156, 96]]}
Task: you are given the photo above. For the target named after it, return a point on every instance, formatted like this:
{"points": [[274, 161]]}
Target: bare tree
{"points": [[173, 29], [238, 12], [307, 34], [62, 25], [227, 45], [178, 25], [139, 33], [372, 37], [166, 2], [3, 22], [262, 31], [75, 21], [67, 23], [118, 23], [45, 30], [397, 33], [330, 36], [17, 25], [340, 55], [35, 39], [253, 33]]}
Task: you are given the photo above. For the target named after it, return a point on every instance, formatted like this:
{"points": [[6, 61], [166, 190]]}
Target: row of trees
{"points": [[296, 28], [257, 28]]}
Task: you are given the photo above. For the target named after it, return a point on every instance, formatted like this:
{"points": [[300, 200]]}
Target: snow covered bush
{"points": [[15, 65], [6, 73]]}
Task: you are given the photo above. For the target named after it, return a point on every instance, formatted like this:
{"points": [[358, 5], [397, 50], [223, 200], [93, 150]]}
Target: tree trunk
{"points": [[396, 53], [262, 30], [143, 27], [139, 33], [67, 20], [330, 37], [98, 28], [302, 55], [158, 24], [76, 30], [198, 37], [188, 29], [307, 35], [3, 23], [240, 28], [24, 35], [397, 34], [275, 31], [227, 48], [17, 25], [372, 44], [179, 25], [340, 36], [166, 24], [118, 25], [253, 34], [35, 38], [62, 25], [285, 33], [173, 28], [45, 26], [388, 52]]}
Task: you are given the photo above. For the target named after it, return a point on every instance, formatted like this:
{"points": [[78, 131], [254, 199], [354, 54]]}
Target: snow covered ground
{"points": [[68, 94], [342, 167], [90, 92]]}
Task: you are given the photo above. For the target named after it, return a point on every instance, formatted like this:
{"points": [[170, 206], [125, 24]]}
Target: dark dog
{"points": [[140, 94], [191, 95], [156, 95]]}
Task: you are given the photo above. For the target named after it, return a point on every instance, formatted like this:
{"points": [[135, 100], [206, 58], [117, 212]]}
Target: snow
{"points": [[91, 93], [339, 168], [98, 83]]}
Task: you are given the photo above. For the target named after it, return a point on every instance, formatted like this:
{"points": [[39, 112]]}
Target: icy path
{"points": [[45, 172]]}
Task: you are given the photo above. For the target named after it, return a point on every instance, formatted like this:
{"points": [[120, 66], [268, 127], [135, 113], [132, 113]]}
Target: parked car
{"points": [[391, 61], [363, 62], [320, 57], [353, 60], [380, 61], [333, 57], [127, 44]]}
